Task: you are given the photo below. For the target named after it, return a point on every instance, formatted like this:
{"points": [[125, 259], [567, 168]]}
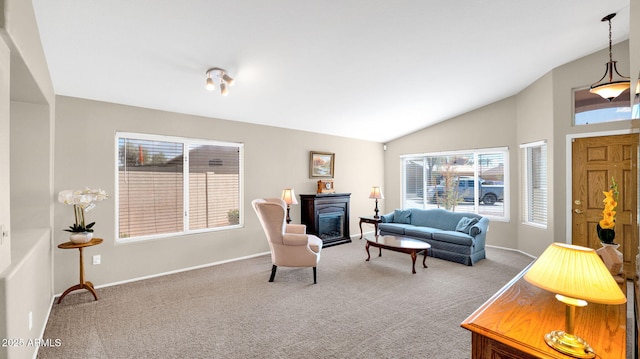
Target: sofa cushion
{"points": [[453, 237], [420, 232], [465, 224], [402, 216], [393, 228]]}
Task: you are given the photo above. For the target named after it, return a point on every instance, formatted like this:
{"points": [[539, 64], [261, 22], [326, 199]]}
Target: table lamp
{"points": [[289, 197], [577, 275], [377, 194]]}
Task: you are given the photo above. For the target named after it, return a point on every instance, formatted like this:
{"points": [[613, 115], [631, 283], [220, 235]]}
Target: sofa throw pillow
{"points": [[402, 216], [465, 224]]}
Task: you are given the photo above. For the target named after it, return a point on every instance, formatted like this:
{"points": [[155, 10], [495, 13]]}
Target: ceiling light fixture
{"points": [[612, 89], [220, 76]]}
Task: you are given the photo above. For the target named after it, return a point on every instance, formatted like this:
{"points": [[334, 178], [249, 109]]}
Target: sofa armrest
{"points": [[479, 232], [387, 218]]}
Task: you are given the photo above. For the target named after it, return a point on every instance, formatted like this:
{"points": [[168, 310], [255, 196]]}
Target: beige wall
{"points": [[542, 111], [577, 74], [26, 117], [5, 210], [535, 123], [275, 158], [488, 127]]}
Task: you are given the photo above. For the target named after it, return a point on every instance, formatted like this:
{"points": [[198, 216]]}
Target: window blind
{"points": [[534, 204], [168, 186]]}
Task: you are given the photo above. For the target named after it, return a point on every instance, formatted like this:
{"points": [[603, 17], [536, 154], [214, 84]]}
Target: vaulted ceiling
{"points": [[367, 69]]}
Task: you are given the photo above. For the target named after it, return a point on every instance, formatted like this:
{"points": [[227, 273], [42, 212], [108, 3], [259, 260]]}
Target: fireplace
{"points": [[330, 225], [327, 216]]}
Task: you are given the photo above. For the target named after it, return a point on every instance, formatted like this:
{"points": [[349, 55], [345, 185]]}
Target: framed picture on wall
{"points": [[321, 164]]}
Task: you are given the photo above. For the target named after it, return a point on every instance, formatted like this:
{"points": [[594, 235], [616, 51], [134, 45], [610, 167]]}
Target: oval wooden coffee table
{"points": [[399, 244]]}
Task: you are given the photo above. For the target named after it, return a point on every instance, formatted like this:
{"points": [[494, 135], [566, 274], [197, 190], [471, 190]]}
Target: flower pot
{"points": [[606, 235], [80, 237]]}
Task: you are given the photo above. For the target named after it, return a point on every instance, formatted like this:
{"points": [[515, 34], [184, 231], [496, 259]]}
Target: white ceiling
{"points": [[367, 69]]}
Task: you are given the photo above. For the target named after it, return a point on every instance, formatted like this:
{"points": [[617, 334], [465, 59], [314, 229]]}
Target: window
{"points": [[169, 186], [462, 181], [534, 196], [590, 108]]}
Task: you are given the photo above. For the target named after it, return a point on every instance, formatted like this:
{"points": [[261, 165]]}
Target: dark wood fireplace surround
{"points": [[327, 216]]}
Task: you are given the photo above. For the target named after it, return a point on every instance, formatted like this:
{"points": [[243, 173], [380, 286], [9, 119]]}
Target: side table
{"points": [[371, 220], [83, 284]]}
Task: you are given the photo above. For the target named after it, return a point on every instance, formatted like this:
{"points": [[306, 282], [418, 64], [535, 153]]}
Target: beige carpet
{"points": [[358, 309]]}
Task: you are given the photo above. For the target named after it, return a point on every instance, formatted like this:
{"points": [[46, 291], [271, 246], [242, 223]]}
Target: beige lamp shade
{"points": [[610, 90], [289, 196], [376, 193], [576, 272]]}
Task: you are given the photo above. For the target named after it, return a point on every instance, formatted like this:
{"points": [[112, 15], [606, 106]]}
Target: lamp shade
{"points": [[376, 193], [289, 196], [576, 272], [610, 90]]}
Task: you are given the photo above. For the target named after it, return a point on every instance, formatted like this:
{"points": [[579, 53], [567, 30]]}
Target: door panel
{"points": [[596, 160]]}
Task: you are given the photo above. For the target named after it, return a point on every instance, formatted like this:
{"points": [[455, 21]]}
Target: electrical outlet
{"points": [[30, 320], [96, 259]]}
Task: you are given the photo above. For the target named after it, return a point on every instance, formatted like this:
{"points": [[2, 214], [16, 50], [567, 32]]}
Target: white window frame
{"points": [[527, 212], [476, 153], [186, 142]]}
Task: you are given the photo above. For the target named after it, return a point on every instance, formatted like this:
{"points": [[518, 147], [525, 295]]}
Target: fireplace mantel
{"points": [[327, 216]]}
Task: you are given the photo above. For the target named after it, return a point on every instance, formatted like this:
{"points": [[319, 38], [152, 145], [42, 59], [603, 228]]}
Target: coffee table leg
{"points": [[413, 260], [367, 248], [424, 260]]}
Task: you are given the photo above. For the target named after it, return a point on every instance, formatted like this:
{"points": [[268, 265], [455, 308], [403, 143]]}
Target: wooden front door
{"points": [[596, 160]]}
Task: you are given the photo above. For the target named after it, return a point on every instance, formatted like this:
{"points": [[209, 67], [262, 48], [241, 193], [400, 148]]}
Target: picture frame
{"points": [[321, 164]]}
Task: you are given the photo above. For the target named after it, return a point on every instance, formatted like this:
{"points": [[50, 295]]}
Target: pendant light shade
{"points": [[612, 83]]}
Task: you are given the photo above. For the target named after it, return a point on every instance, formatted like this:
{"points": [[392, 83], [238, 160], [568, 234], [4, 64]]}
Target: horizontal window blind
{"points": [[214, 186], [535, 201], [170, 185]]}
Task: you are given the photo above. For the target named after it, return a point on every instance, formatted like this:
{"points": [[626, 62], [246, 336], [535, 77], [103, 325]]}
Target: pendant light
{"points": [[611, 89]]}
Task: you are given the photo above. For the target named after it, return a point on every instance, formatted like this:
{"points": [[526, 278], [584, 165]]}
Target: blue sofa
{"points": [[454, 236]]}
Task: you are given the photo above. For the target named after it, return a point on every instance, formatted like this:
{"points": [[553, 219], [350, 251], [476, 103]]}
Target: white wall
{"points": [[275, 158]]}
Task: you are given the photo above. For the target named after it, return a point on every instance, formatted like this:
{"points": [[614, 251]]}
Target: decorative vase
{"points": [[80, 237], [606, 235], [612, 257]]}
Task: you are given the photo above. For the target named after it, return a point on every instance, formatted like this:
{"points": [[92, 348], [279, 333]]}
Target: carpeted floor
{"points": [[358, 309]]}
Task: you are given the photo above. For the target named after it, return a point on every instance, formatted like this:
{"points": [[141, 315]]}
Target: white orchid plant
{"points": [[82, 201]]}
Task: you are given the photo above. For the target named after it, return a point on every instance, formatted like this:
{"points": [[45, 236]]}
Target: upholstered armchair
{"points": [[289, 243]]}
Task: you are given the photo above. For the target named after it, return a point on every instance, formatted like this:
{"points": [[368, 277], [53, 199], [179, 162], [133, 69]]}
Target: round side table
{"points": [[83, 284]]}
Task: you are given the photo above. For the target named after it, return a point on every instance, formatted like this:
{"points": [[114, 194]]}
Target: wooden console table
{"points": [[512, 323], [83, 284]]}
